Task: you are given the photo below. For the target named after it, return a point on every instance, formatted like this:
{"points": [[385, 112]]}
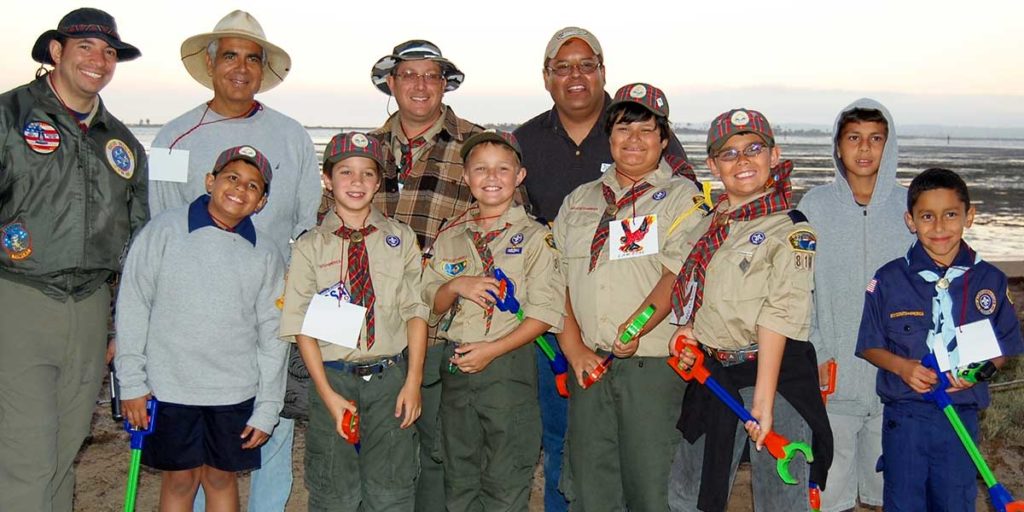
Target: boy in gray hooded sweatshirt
{"points": [[859, 220]]}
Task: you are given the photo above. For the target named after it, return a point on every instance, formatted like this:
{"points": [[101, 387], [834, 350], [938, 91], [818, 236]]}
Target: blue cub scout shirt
{"points": [[898, 315]]}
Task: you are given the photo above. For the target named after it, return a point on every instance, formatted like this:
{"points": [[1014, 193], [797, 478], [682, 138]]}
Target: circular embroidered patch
{"points": [[41, 137], [247, 151], [985, 301], [517, 239], [659, 195], [359, 140], [740, 118], [392, 241], [16, 241], [757, 237], [120, 158], [638, 91]]}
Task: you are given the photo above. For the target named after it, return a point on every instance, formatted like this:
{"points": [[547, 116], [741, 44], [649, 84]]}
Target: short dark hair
{"points": [[631, 112], [862, 115], [936, 178]]}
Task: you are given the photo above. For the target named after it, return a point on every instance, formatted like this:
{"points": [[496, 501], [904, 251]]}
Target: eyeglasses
{"points": [[750, 151], [429, 78], [585, 67]]}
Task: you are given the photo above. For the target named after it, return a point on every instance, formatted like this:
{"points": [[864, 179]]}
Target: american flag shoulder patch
{"points": [[872, 284]]}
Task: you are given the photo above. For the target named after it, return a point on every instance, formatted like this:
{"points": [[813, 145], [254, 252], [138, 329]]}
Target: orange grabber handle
{"points": [[698, 370], [830, 388], [350, 426]]}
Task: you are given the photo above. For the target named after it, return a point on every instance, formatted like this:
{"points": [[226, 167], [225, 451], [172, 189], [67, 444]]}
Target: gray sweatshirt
{"points": [[196, 315], [853, 241]]}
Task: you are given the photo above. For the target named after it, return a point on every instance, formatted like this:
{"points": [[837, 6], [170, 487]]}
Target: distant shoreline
{"points": [[780, 132]]}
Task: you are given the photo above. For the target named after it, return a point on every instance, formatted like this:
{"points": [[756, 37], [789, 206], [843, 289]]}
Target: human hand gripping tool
{"points": [[137, 437], [506, 301], [778, 445], [627, 335], [1002, 500], [350, 426]]}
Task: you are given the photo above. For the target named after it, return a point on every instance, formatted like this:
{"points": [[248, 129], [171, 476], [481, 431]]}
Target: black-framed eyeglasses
{"points": [[731, 154], [564, 68], [412, 76]]}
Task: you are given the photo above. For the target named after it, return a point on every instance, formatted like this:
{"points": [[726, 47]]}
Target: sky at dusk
{"points": [[949, 63]]}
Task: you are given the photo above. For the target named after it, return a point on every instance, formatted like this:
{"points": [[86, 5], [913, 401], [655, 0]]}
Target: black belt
{"points": [[364, 369]]}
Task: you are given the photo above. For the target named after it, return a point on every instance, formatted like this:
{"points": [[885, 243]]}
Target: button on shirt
{"points": [[317, 259], [898, 315], [523, 252], [604, 298], [757, 278]]}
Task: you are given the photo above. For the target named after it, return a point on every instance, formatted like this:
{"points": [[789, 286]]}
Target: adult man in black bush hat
{"points": [[72, 193]]}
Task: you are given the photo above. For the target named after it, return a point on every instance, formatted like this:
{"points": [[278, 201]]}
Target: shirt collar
{"points": [[919, 260], [659, 176], [514, 215], [443, 123], [199, 217], [332, 222]]}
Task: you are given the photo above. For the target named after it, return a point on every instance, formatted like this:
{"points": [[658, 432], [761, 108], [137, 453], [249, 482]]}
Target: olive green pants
{"points": [[51, 367], [622, 437], [430, 488], [490, 422], [382, 476]]}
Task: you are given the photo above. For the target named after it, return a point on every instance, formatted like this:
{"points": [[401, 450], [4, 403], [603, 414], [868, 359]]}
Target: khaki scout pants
{"points": [[382, 476], [51, 367], [490, 422], [622, 437]]}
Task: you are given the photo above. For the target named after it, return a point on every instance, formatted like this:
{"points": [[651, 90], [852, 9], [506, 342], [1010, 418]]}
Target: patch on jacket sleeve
{"points": [[120, 158], [872, 285]]}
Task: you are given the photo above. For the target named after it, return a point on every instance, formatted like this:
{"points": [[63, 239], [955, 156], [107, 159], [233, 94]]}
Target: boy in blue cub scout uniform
{"points": [[489, 412], [197, 329], [921, 304], [358, 255]]}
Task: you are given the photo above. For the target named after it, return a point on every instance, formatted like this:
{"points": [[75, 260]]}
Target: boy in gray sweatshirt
{"points": [[197, 327], [859, 221]]}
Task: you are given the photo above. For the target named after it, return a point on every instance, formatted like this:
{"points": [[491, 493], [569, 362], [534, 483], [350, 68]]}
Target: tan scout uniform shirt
{"points": [[524, 252], [760, 276], [317, 259], [603, 299]]}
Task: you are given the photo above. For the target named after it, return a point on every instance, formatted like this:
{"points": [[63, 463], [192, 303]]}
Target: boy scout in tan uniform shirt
{"points": [[491, 419], [395, 269], [757, 277], [603, 298]]}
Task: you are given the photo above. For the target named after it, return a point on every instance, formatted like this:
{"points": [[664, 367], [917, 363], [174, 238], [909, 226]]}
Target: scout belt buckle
{"points": [[363, 370], [732, 357]]}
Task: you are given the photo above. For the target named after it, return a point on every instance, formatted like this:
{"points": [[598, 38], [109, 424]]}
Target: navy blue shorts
{"points": [[190, 436], [924, 465]]}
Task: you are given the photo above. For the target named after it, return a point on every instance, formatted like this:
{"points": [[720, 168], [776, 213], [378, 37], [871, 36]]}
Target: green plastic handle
{"points": [[637, 324]]}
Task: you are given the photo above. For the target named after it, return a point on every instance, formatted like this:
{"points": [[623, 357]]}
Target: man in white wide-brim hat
{"points": [[237, 61]]}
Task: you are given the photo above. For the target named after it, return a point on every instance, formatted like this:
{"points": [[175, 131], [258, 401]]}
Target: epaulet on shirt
{"points": [[797, 216]]}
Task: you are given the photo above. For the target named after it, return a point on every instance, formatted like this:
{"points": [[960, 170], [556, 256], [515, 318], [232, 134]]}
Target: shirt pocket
{"points": [[908, 336], [579, 235], [736, 278]]}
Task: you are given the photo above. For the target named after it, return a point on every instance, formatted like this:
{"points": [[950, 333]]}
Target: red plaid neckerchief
{"points": [[360, 282], [601, 234], [696, 263], [407, 151], [481, 242]]}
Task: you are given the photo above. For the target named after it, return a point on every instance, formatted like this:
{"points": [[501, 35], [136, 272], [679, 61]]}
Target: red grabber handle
{"points": [[562, 384], [350, 426], [698, 370]]}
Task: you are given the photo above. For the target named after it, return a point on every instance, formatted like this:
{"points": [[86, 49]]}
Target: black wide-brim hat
{"points": [[80, 24], [416, 49]]}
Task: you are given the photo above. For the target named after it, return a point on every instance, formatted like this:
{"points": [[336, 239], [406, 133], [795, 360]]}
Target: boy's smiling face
{"points": [[939, 218], [746, 176], [353, 182], [860, 146], [493, 172], [236, 192]]}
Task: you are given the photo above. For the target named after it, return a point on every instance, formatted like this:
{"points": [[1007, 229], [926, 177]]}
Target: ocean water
{"points": [[992, 168]]}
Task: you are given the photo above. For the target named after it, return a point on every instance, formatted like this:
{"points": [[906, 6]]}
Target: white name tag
{"points": [[334, 321], [633, 237], [977, 342], [168, 165]]}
